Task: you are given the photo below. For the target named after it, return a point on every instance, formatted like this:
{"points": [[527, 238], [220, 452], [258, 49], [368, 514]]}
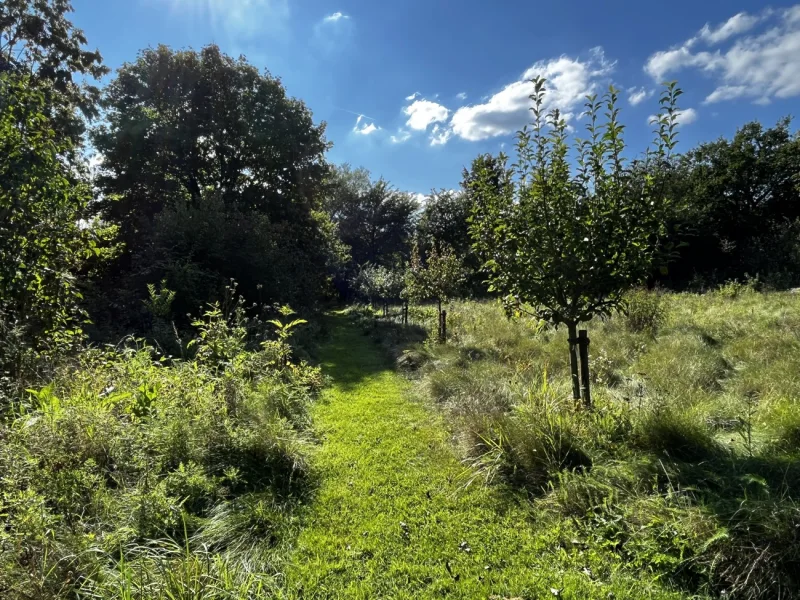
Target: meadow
{"points": [[686, 466]]}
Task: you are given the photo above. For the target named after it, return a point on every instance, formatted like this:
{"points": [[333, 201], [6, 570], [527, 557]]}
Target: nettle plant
{"points": [[564, 244]]}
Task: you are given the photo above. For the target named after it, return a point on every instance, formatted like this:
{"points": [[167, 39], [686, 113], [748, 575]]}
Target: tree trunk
{"points": [[573, 360], [583, 341]]}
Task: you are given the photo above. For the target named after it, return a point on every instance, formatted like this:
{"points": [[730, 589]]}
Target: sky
{"points": [[413, 90]]}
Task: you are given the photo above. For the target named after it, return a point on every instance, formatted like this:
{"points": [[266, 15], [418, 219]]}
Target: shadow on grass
{"points": [[361, 347], [754, 500]]}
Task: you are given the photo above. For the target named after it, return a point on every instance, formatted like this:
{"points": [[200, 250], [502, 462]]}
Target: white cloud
{"points": [[413, 96], [239, 18], [461, 95], [682, 117], [402, 136], [738, 23], [423, 113], [762, 66], [569, 80], [440, 135], [638, 95], [335, 17], [362, 127], [419, 197], [660, 64], [726, 92]]}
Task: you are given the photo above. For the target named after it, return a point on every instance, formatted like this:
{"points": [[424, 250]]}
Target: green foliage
{"points": [[373, 220], [204, 187], [379, 283], [113, 459], [38, 41], [439, 277], [739, 202], [644, 311], [159, 304], [570, 245], [42, 245]]}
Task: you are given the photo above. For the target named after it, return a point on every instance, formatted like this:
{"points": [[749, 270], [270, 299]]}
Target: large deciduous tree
{"points": [[206, 146], [374, 220], [568, 245], [740, 201]]}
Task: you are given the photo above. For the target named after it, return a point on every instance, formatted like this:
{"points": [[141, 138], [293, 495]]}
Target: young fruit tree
{"points": [[380, 284], [565, 244], [439, 277]]}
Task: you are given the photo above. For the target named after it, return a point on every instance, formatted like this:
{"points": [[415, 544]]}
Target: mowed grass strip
{"points": [[393, 518]]}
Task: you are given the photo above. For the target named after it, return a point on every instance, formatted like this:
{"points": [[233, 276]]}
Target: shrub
{"points": [[644, 311]]}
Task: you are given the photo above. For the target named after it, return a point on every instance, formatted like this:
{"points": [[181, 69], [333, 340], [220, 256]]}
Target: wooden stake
{"points": [[583, 343]]}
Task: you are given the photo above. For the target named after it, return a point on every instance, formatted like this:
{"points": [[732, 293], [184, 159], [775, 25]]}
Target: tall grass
{"points": [[687, 464]]}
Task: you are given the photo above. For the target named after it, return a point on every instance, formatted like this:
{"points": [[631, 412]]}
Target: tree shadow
{"points": [[362, 347], [753, 500]]}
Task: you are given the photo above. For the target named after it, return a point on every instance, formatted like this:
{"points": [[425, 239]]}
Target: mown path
{"points": [[392, 517]]}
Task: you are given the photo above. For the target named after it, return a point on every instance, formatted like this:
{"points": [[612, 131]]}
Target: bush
{"points": [[644, 311]]}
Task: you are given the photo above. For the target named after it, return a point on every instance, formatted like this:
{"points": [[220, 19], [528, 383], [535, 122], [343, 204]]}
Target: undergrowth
{"points": [[133, 476]]}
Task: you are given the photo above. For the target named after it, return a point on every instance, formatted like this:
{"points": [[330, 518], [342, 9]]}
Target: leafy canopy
{"points": [[41, 242], [439, 277], [38, 41], [570, 243]]}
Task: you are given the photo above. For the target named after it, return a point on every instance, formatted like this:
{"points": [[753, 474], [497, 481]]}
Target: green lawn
{"points": [[394, 518]]}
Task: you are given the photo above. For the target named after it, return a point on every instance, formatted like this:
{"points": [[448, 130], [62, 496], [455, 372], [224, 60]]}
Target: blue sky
{"points": [[414, 90]]}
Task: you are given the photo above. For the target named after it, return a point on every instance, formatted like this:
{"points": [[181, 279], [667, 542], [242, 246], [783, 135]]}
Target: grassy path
{"points": [[392, 518]]}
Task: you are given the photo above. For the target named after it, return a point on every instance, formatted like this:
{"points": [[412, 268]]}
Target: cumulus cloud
{"points": [[569, 81], [240, 18], [423, 113], [738, 23], [760, 66], [364, 127], [337, 16], [638, 95], [440, 135], [682, 117]]}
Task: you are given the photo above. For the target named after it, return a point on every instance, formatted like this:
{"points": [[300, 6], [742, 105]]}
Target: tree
{"points": [[41, 242], [444, 220], [740, 200], [211, 171], [439, 278], [381, 283], [374, 220], [38, 41], [568, 246], [180, 122]]}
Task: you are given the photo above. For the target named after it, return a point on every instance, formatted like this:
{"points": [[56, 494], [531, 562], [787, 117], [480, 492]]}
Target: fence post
{"points": [[583, 343]]}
